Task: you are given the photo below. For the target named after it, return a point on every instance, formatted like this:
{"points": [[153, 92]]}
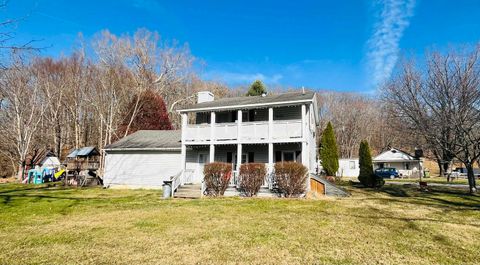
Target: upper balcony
{"points": [[248, 132], [255, 125], [285, 117]]}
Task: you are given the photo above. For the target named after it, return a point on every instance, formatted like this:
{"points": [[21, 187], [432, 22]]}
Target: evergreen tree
{"points": [[151, 114], [367, 177], [329, 151], [257, 88]]}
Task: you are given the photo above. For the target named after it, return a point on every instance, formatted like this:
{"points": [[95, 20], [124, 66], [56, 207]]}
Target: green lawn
{"points": [[394, 225], [438, 180]]}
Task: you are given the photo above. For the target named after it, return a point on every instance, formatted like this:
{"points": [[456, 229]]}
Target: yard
{"points": [[394, 225]]}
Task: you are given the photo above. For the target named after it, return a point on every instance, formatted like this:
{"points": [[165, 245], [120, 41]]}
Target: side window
{"points": [[352, 164]]}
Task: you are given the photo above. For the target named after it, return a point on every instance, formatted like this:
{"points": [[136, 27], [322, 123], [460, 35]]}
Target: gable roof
{"points": [[394, 155], [289, 98], [149, 140]]}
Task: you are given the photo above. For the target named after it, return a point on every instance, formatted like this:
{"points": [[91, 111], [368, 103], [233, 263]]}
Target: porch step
{"points": [[191, 191]]}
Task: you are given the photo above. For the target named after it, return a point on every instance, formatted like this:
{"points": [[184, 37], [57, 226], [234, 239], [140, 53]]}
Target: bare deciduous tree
{"points": [[442, 103]]}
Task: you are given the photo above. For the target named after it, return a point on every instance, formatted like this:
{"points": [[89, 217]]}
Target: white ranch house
{"points": [[406, 164]]}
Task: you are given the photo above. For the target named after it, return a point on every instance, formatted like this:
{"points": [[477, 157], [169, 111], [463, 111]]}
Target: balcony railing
{"points": [[249, 131]]}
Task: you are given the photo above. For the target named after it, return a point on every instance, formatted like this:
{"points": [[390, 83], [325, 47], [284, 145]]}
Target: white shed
{"points": [[143, 159], [348, 167], [50, 162]]}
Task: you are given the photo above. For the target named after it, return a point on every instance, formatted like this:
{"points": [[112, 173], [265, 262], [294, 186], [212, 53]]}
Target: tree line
{"points": [[82, 99]]}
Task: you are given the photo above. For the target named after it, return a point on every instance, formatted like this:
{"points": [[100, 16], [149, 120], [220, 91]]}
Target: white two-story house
{"points": [[262, 129]]}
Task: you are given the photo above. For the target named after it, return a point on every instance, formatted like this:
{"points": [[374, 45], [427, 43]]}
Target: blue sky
{"points": [[338, 45]]}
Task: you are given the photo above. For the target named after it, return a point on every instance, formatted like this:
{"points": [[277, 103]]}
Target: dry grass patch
{"points": [[94, 226]]}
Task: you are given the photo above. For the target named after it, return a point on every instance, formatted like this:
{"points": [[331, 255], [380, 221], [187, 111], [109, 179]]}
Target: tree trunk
{"points": [[471, 178], [440, 167], [21, 171]]}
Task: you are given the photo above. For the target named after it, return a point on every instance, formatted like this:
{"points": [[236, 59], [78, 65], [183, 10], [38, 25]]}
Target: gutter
{"points": [[144, 149]]}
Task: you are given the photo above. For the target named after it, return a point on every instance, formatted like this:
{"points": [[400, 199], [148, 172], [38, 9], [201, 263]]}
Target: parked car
{"points": [[387, 172]]}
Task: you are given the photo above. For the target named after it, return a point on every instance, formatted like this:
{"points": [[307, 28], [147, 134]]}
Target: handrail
{"points": [[204, 187], [177, 180]]}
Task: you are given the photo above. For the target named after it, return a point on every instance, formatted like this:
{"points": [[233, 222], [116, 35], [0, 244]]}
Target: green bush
{"points": [[367, 177], [251, 178], [329, 151], [291, 178], [217, 176]]}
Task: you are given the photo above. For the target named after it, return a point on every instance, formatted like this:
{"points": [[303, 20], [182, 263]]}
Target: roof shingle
{"points": [[253, 100], [149, 139]]}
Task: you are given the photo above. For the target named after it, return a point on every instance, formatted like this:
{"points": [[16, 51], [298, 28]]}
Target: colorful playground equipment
{"points": [[38, 176]]}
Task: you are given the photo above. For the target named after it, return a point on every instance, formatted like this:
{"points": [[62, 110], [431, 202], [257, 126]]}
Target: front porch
{"points": [[199, 155]]}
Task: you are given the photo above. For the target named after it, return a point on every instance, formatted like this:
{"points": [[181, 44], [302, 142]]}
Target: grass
{"points": [[438, 180], [393, 225]]}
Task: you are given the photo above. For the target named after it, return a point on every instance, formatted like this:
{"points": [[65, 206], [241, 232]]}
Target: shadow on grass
{"points": [[448, 198]]}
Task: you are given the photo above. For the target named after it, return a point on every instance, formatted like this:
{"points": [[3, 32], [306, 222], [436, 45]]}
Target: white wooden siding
{"points": [[140, 169]]}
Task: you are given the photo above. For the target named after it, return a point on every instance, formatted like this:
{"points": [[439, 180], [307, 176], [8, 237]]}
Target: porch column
{"points": [[212, 153], [239, 156], [305, 157], [270, 140], [239, 124], [270, 158], [184, 147]]}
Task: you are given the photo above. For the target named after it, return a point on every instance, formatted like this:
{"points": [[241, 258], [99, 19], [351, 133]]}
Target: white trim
{"points": [[296, 102], [291, 140]]}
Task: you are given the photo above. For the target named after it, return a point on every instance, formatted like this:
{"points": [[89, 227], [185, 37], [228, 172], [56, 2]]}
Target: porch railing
{"points": [[177, 180]]}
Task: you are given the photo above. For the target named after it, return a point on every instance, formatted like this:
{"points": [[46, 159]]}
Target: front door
{"points": [[201, 161]]}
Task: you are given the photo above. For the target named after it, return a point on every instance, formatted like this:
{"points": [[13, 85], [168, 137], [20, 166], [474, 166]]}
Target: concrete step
{"points": [[187, 195], [189, 191], [190, 187]]}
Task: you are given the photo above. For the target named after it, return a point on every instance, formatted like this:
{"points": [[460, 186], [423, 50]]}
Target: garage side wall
{"points": [[140, 169]]}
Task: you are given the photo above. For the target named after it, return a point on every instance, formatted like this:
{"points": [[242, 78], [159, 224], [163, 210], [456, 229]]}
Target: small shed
{"points": [[406, 164], [348, 167], [143, 159], [50, 162]]}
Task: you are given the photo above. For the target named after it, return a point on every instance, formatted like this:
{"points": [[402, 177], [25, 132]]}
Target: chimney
{"points": [[205, 96]]}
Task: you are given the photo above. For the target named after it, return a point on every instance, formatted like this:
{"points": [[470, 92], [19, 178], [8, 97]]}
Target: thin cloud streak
{"points": [[384, 43]]}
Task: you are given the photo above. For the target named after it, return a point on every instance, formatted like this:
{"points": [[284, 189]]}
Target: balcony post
{"points": [[212, 127], [184, 147], [239, 124], [270, 124]]}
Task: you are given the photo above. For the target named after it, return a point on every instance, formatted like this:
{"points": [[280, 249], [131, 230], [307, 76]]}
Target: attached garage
{"points": [[143, 159]]}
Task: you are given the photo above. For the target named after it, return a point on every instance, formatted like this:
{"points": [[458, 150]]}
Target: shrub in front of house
{"points": [[291, 178], [217, 176], [252, 176]]}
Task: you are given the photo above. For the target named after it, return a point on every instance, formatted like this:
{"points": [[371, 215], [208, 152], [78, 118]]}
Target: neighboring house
{"points": [[348, 167], [406, 164], [143, 159], [263, 129]]}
